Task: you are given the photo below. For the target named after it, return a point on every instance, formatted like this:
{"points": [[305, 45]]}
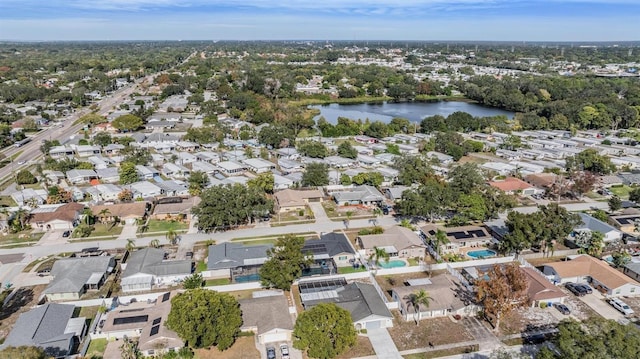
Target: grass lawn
{"points": [[164, 226], [201, 266], [621, 191], [105, 230], [412, 262], [244, 347], [350, 269], [97, 347], [219, 281], [42, 263], [6, 201], [20, 237], [440, 353], [362, 348], [300, 234], [407, 335]]}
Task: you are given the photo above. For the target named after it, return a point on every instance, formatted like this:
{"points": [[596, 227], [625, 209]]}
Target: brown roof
{"points": [[540, 288], [67, 212], [510, 184], [122, 210], [293, 198], [396, 236], [266, 313], [599, 270], [442, 290], [541, 179], [177, 208]]}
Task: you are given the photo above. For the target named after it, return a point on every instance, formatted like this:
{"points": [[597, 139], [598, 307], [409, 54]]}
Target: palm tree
{"points": [[104, 213], [88, 216], [439, 240], [377, 255], [377, 212], [418, 300], [155, 243], [348, 214], [131, 244], [172, 236], [595, 244], [406, 224]]}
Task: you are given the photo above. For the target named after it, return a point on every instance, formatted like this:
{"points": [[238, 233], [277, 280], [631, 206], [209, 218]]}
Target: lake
{"points": [[413, 111]]}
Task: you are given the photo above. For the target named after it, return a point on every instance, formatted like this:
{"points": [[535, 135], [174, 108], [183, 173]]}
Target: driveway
{"points": [[599, 304], [128, 232], [318, 212], [383, 344]]}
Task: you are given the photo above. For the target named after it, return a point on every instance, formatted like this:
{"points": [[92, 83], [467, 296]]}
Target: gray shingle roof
{"points": [[362, 193], [70, 275], [151, 261], [594, 224], [234, 255], [360, 299], [329, 243], [44, 327]]}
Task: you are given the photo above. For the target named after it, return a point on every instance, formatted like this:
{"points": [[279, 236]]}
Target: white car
{"points": [[284, 349], [621, 306]]}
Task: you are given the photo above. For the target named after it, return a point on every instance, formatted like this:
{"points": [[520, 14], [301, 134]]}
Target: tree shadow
{"points": [[22, 297]]}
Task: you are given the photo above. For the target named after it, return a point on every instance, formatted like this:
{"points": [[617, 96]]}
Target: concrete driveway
{"points": [[599, 304], [318, 212], [383, 345]]}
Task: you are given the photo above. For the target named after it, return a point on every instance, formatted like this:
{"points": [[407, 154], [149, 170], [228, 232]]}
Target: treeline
{"points": [[561, 102]]}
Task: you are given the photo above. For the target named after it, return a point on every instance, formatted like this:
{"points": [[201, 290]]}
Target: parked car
{"points": [[284, 350], [576, 289], [562, 308], [66, 234], [586, 287], [271, 353], [621, 306]]}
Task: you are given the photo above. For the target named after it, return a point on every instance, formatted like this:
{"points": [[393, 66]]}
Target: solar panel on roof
{"points": [[165, 297], [156, 321], [477, 233], [460, 235], [130, 320], [154, 330], [321, 285]]}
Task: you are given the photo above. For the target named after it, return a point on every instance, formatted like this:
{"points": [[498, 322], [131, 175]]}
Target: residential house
{"points": [[104, 192], [87, 150], [364, 194], [230, 167], [443, 159], [98, 162], [29, 196], [293, 200], [445, 291], [51, 327], [598, 273], [108, 175], [175, 171], [541, 290], [626, 223], [127, 212], [338, 162], [187, 146], [459, 238], [145, 189], [174, 207], [76, 176], [334, 247], [289, 153], [146, 268], [591, 224], [205, 167], [361, 300], [59, 152], [145, 321], [268, 317], [258, 165], [105, 127], [209, 157], [112, 149], [512, 185], [146, 172], [74, 276], [395, 193], [56, 217], [174, 188], [281, 182], [396, 241], [288, 166], [236, 261]]}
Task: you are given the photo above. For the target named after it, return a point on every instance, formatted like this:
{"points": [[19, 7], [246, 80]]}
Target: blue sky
{"points": [[502, 20]]}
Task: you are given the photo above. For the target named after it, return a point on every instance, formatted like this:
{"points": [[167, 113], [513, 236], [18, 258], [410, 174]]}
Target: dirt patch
{"points": [[537, 262], [579, 309], [243, 348], [21, 302], [362, 348], [527, 319], [437, 331]]}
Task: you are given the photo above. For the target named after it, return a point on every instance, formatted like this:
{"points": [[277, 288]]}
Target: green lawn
{"points": [[6, 201], [97, 346], [258, 242], [219, 281], [201, 266], [105, 230], [621, 191], [347, 270], [412, 262], [20, 237], [164, 226]]}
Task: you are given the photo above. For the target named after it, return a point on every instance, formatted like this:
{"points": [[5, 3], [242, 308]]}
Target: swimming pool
{"points": [[393, 264], [247, 278], [485, 253]]}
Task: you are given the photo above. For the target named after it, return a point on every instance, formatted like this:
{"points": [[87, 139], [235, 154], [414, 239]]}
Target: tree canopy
{"points": [[22, 352], [590, 160], [128, 173], [324, 331], [127, 123], [285, 263], [228, 206], [504, 290], [204, 318], [315, 174]]}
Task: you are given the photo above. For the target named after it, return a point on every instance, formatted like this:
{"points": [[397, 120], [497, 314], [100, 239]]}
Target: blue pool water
{"points": [[392, 264], [485, 253], [248, 278]]}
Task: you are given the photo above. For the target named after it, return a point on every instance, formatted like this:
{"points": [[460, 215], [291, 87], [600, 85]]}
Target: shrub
{"points": [[543, 305], [25, 177], [372, 230]]}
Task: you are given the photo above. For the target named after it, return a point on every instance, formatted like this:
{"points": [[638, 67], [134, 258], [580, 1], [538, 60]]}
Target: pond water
{"points": [[413, 111]]}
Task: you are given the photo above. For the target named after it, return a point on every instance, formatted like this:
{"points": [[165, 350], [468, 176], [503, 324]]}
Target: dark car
{"points": [[271, 353], [562, 308], [585, 287], [576, 289], [66, 234]]}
